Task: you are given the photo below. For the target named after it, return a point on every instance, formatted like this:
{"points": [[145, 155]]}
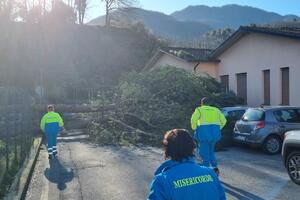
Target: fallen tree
{"points": [[151, 102]]}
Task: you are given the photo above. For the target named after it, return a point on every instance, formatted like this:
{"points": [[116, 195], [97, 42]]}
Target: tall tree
{"points": [[5, 9], [81, 6], [214, 38], [112, 5], [61, 12]]}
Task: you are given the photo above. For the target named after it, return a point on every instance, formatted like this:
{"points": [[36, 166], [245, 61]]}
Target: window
{"points": [[236, 115], [267, 99], [225, 83], [288, 116], [285, 86], [240, 113], [254, 115], [242, 86]]}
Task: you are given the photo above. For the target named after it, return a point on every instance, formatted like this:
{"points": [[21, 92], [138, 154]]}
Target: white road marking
{"points": [[45, 188]]}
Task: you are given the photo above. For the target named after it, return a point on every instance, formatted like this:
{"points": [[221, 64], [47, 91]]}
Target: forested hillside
{"points": [[160, 24], [59, 56], [191, 23], [229, 16]]}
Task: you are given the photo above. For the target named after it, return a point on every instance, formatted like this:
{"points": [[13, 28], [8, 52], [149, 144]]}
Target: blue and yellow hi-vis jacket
{"points": [[185, 180], [208, 122], [51, 123]]}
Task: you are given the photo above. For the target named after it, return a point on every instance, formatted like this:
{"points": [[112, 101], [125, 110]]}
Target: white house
{"points": [[260, 64]]}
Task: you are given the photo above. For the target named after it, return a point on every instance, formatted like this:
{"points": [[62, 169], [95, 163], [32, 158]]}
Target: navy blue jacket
{"points": [[185, 180]]}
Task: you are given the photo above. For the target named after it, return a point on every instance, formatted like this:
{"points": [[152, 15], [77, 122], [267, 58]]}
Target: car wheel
{"points": [[272, 145], [293, 166]]}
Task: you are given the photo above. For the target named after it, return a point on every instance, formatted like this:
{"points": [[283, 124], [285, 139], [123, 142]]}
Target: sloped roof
{"points": [[188, 54], [182, 53], [290, 32]]}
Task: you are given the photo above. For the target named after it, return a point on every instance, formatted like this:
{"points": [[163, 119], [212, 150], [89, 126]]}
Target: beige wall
{"points": [[209, 68], [257, 52], [168, 60]]}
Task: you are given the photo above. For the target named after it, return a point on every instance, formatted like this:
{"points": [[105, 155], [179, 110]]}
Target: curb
{"points": [[20, 185]]}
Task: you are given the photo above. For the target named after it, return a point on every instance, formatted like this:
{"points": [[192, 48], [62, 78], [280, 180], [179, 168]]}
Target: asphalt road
{"points": [[86, 171]]}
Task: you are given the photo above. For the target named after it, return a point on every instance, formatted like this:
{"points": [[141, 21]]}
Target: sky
{"points": [[283, 7]]}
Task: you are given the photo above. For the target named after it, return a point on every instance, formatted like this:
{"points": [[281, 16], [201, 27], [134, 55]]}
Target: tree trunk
{"points": [[44, 8], [107, 20]]}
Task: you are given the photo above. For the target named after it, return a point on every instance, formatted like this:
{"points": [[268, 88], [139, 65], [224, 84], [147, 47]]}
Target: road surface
{"points": [[86, 171]]}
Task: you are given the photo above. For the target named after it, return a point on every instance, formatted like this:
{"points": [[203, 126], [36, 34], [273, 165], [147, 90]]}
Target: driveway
{"points": [[86, 171]]}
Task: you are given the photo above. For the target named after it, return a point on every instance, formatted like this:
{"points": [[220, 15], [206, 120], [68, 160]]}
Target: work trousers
{"points": [[52, 141], [207, 152]]}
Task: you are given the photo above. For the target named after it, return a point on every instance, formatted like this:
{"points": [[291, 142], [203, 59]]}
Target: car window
{"points": [[240, 113], [232, 115], [288, 115], [225, 113], [236, 115], [254, 115]]}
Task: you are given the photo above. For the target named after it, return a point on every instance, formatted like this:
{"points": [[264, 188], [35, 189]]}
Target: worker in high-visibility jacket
{"points": [[207, 121], [180, 177], [51, 124]]}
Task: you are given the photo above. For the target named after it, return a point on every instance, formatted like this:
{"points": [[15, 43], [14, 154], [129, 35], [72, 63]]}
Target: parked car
{"points": [[232, 114], [265, 127], [291, 155]]}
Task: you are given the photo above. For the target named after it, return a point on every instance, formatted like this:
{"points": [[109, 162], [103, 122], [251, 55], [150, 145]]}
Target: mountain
{"points": [[192, 22], [231, 16], [159, 24]]}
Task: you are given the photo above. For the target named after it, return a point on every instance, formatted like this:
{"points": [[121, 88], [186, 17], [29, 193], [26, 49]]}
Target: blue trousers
{"points": [[52, 141], [207, 153]]}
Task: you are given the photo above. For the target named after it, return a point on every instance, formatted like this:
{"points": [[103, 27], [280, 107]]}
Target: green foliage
{"points": [[15, 161], [166, 97], [102, 135], [213, 39], [149, 103]]}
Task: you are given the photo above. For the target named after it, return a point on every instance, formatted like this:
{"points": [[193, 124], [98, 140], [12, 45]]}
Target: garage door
{"points": [[242, 86]]}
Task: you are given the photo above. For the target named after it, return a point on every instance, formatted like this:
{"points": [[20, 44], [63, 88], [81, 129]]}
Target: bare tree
{"points": [[6, 8], [112, 5], [81, 6]]}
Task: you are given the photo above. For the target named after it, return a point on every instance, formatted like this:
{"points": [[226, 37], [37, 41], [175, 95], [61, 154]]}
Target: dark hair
{"points": [[178, 144]]}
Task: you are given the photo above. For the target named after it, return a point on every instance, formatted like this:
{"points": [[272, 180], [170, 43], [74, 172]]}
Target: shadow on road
{"points": [[58, 174], [239, 193]]}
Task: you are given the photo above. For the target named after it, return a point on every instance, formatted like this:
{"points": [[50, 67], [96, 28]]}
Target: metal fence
{"points": [[18, 128], [20, 112]]}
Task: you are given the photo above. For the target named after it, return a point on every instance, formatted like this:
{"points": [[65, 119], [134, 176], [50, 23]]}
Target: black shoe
{"points": [[50, 157], [217, 171]]}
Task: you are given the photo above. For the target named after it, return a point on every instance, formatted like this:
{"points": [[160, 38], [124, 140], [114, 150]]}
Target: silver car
{"points": [[265, 127], [291, 155]]}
